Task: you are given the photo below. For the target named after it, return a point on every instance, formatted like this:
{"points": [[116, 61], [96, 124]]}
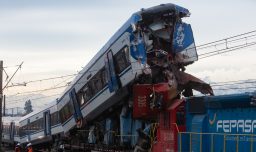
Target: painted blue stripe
{"points": [[24, 136], [39, 131], [125, 71], [32, 133], [59, 124], [99, 93], [36, 132], [68, 120]]}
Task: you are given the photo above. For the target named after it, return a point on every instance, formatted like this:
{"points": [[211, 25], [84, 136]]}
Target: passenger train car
{"points": [[153, 46], [41, 127], [98, 109], [10, 130]]}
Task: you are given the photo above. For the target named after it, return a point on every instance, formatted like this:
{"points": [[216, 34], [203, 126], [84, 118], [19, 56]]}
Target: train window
{"points": [[66, 112], [54, 119], [5, 129], [104, 77], [122, 59], [87, 93], [81, 98], [16, 132], [92, 87], [96, 84], [32, 126], [23, 131], [40, 124]]}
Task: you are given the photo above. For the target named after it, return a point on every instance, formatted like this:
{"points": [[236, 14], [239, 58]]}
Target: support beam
{"points": [[1, 99]]}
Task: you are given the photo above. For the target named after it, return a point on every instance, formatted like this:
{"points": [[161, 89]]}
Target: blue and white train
{"points": [[153, 46], [10, 130], [41, 127]]}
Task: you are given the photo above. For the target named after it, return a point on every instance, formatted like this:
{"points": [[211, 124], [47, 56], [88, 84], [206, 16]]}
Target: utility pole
{"points": [[1, 99], [4, 107]]}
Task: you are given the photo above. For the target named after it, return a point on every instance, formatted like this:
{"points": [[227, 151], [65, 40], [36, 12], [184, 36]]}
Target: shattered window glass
{"points": [[96, 84], [122, 59]]}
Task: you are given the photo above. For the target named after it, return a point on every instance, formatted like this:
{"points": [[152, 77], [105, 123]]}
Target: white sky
{"points": [[59, 37]]}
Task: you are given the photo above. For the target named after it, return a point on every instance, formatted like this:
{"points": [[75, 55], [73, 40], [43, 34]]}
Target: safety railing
{"points": [[211, 142]]}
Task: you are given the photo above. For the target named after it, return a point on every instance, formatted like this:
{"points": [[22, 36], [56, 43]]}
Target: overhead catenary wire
{"points": [[221, 51], [214, 84], [241, 37], [13, 75], [39, 91], [209, 54], [58, 87], [228, 83], [11, 66], [45, 79], [32, 99], [228, 44], [235, 88], [229, 39], [46, 89]]}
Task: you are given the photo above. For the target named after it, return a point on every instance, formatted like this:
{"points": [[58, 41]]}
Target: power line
{"points": [[221, 51], [229, 39], [12, 66], [32, 99], [229, 88], [235, 88], [13, 75], [226, 41], [45, 79], [233, 83], [228, 44], [47, 89], [40, 91], [84, 82], [205, 55]]}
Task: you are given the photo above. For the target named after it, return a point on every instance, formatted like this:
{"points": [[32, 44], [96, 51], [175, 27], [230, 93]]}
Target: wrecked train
{"points": [[152, 48], [137, 74]]}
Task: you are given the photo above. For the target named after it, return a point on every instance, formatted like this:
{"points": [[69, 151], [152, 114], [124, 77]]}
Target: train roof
{"points": [[135, 18]]}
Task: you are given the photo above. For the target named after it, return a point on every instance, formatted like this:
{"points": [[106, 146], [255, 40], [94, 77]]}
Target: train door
{"points": [[47, 123], [12, 130], [111, 73], [77, 113]]}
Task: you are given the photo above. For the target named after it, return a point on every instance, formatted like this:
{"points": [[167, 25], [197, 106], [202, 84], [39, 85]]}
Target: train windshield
{"points": [[165, 35]]}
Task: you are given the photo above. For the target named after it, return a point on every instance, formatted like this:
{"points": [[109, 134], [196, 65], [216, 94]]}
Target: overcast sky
{"points": [[58, 37]]}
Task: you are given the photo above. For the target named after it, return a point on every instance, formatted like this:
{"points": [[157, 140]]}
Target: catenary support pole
{"points": [[1, 99], [4, 107]]}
